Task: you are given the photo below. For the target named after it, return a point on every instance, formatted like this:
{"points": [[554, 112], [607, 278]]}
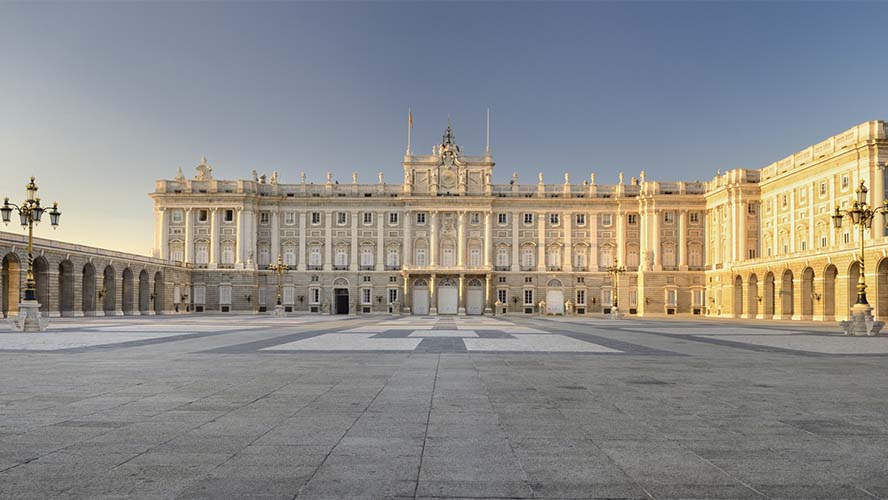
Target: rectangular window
{"points": [[314, 296], [229, 215], [528, 218], [474, 218], [393, 295], [393, 218], [289, 218], [528, 297], [502, 295], [671, 297], [341, 218], [501, 219], [632, 219], [554, 219], [581, 219], [176, 217], [421, 218], [752, 253], [845, 182], [203, 215], [263, 218], [669, 217], [750, 209], [783, 200], [694, 217], [365, 296], [315, 218], [368, 217], [822, 188], [581, 297], [606, 220]]}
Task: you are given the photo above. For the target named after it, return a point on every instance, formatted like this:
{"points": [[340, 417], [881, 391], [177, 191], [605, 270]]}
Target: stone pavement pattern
{"points": [[322, 407]]}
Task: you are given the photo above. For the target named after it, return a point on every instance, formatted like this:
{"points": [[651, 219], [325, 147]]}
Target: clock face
{"points": [[448, 178]]}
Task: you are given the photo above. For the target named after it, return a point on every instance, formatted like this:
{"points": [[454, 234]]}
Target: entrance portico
{"points": [[446, 294]]}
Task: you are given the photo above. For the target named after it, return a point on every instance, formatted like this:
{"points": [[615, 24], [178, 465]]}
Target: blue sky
{"points": [[99, 100]]}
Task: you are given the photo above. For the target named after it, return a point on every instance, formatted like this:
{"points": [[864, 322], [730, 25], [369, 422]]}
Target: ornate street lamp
{"points": [[30, 213], [862, 215], [615, 272], [279, 269]]}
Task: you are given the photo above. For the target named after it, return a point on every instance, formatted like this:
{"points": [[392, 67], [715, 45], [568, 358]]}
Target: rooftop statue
{"points": [[204, 171]]}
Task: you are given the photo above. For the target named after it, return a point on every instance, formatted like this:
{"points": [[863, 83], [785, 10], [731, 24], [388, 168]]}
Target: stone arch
{"points": [[475, 283], [144, 293], [752, 298], [340, 283], [808, 293], [420, 283], [158, 293], [12, 279], [554, 283], [66, 288], [882, 288], [738, 296], [787, 294], [853, 277], [769, 295], [128, 293], [88, 290], [829, 291], [41, 279], [109, 291]]}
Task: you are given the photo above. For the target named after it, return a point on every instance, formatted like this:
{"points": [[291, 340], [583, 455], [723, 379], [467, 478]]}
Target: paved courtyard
{"points": [[221, 407]]}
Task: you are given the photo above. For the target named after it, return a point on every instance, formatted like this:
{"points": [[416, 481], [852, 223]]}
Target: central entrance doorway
{"points": [[448, 296], [554, 298], [340, 301]]}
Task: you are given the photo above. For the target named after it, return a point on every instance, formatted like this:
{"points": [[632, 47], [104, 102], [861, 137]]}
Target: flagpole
{"points": [[409, 127], [487, 149]]}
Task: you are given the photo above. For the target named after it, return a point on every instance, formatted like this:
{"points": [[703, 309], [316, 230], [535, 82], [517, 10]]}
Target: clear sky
{"points": [[99, 100]]}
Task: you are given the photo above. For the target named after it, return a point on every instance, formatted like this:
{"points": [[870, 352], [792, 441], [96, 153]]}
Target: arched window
{"points": [[606, 256], [314, 256], [290, 255], [421, 257], [263, 256], [580, 257], [447, 259], [527, 257], [631, 256], [554, 256], [341, 258], [228, 252], [695, 256], [475, 257], [177, 251], [502, 256], [201, 252], [367, 256], [392, 258], [668, 255]]}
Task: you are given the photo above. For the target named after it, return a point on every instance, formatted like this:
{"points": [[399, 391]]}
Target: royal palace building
{"points": [[447, 240]]}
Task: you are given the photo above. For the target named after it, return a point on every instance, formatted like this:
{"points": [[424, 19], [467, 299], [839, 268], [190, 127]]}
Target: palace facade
{"points": [[447, 240]]}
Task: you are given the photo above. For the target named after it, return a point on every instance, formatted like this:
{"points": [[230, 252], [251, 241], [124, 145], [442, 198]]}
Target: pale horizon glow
{"points": [[99, 100]]}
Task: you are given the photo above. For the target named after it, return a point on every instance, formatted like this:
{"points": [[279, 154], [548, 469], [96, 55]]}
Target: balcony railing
{"points": [[527, 268], [367, 268], [392, 268], [315, 267], [501, 268], [340, 268], [580, 269], [554, 268]]}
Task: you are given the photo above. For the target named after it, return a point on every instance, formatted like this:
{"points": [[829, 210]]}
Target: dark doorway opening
{"points": [[340, 301]]}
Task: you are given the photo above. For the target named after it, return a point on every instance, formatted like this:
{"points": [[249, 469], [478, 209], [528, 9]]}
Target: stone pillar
{"points": [[407, 258], [742, 250], [353, 263], [655, 239], [541, 241], [433, 239], [878, 195], [487, 309], [189, 236], [214, 238], [792, 222], [77, 305], [433, 296], [683, 240], [164, 238], [239, 241], [461, 307], [593, 240], [275, 235], [775, 237], [301, 265], [643, 233], [380, 242], [488, 239], [516, 242], [461, 240], [328, 242], [567, 264]]}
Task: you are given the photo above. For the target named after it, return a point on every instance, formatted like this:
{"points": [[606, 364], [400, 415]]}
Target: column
{"points": [[214, 238], [239, 240], [516, 242], [433, 239], [683, 240], [275, 235], [541, 241], [328, 240], [164, 222], [643, 230], [567, 265], [776, 238], [592, 258], [407, 258], [252, 233], [742, 251], [792, 221], [189, 236], [433, 296], [832, 206], [461, 305], [878, 196], [461, 240], [812, 242], [353, 265], [380, 242], [487, 308], [302, 242], [488, 239], [655, 239]]}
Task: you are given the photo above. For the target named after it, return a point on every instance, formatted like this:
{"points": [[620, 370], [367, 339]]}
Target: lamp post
{"points": [[862, 215], [615, 272], [279, 269], [30, 213]]}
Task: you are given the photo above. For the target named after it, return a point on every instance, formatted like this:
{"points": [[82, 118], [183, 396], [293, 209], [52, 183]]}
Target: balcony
{"points": [[527, 268], [501, 268], [315, 267], [392, 268], [553, 268], [340, 268], [580, 269], [367, 268]]}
